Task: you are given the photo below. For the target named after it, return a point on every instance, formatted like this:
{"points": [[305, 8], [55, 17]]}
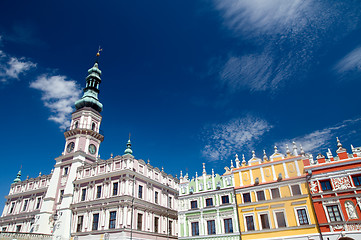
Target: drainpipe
{"points": [[308, 178]]}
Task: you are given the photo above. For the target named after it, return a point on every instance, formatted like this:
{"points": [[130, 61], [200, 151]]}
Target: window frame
{"points": [[279, 193], [115, 189], [38, 203], [139, 223], [260, 220], [81, 223], [358, 177], [195, 227], [264, 195], [246, 194], [339, 212], [299, 187], [209, 202], [326, 181], [95, 225], [227, 197], [83, 194], [297, 216], [211, 227], [98, 193], [25, 205], [228, 226], [192, 203], [246, 223], [156, 197], [140, 191], [276, 220], [112, 219], [156, 224]]}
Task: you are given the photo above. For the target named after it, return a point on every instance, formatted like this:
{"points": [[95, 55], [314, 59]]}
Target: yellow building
{"points": [[273, 200]]}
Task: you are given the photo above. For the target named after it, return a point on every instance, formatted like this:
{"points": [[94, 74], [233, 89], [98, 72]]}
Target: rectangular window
{"points": [[194, 204], [195, 229], [156, 197], [12, 207], [228, 227], [281, 221], [302, 216], [112, 219], [211, 226], [156, 224], [246, 197], [260, 195], [79, 225], [264, 221], [25, 204], [356, 180], [326, 185], [99, 191], [66, 169], [169, 202], [83, 194], [95, 221], [275, 193], [250, 223], [38, 203], [61, 196], [334, 213], [225, 199], [140, 191], [115, 188], [3, 229], [18, 228], [140, 221], [170, 223], [209, 202], [296, 190]]}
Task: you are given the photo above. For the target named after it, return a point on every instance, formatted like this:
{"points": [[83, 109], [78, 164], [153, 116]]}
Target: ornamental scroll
{"points": [[341, 183]]}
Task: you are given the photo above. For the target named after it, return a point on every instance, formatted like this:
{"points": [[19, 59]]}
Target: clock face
{"points": [[70, 147], [92, 149]]}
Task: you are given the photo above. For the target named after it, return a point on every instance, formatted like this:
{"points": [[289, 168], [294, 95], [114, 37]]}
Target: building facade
{"points": [[335, 187], [207, 207], [272, 197], [86, 197]]}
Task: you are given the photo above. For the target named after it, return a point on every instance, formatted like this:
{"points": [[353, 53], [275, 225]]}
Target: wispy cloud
{"points": [[12, 67], [222, 140], [59, 95], [351, 62], [285, 34], [319, 140]]}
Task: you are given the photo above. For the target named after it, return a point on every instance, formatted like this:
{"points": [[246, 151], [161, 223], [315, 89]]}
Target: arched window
{"points": [[93, 126], [76, 124]]}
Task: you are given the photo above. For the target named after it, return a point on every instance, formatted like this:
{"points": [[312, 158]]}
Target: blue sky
{"points": [[192, 81]]}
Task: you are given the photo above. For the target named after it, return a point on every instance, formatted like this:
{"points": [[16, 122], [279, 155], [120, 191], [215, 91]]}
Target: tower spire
{"points": [[128, 150], [17, 179], [91, 90]]}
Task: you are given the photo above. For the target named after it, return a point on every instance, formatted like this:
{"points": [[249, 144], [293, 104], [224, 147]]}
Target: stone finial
{"points": [[39, 174], [265, 158], [276, 150], [352, 148], [52, 170], [288, 152], [243, 160], [237, 161], [111, 155], [204, 169], [27, 177], [148, 161], [329, 154], [294, 148], [339, 145], [212, 172], [302, 151], [181, 174], [253, 154], [162, 169], [232, 164]]}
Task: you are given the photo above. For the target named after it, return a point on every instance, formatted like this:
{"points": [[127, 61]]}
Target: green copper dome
{"points": [[17, 179], [91, 90], [128, 150]]}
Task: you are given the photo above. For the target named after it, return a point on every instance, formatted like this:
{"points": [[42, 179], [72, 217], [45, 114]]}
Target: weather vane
{"points": [[99, 50]]}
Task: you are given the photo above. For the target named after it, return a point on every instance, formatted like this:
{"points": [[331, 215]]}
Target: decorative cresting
{"points": [[91, 90]]}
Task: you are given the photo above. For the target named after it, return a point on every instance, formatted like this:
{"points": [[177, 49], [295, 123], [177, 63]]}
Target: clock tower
{"points": [[82, 141]]}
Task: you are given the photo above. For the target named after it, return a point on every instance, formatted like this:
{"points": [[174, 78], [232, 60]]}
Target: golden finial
{"points": [[99, 50]]}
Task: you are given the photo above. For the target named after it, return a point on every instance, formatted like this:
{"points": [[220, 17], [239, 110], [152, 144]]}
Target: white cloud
{"points": [[59, 95], [222, 140], [319, 140], [13, 67], [351, 62], [286, 36]]}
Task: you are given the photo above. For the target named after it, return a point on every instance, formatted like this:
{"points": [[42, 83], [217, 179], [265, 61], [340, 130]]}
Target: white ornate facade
{"points": [[88, 198]]}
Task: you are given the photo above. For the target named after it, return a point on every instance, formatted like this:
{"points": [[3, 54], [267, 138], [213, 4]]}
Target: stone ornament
{"points": [[313, 187], [350, 209], [341, 183]]}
